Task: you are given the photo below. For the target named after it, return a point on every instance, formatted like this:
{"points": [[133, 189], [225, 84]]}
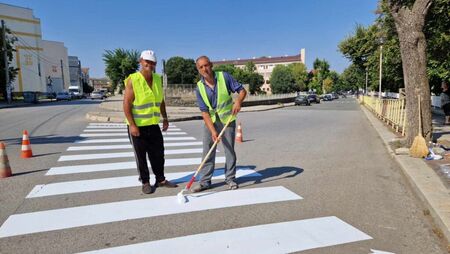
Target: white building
{"points": [[56, 66], [265, 65], [27, 29]]}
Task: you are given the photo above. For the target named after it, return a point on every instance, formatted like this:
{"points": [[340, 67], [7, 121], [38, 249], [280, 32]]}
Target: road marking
{"points": [[118, 124], [113, 147], [123, 134], [27, 223], [121, 130], [60, 188], [122, 165], [126, 140], [379, 252], [284, 237], [97, 156], [123, 127]]}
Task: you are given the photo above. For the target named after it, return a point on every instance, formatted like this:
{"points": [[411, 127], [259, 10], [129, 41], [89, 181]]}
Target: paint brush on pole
{"points": [[181, 195]]}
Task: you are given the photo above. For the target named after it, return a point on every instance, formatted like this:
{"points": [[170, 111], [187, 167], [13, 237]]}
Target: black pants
{"points": [[150, 142]]}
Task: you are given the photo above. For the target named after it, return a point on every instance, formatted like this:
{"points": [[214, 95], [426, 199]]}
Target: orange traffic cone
{"points": [[239, 137], [26, 146], [5, 169]]}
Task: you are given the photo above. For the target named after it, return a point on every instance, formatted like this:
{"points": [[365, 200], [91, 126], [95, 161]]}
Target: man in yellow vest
{"points": [[143, 105], [216, 104]]}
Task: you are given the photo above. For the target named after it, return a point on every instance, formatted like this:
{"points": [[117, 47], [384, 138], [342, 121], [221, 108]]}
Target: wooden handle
{"points": [[420, 118]]}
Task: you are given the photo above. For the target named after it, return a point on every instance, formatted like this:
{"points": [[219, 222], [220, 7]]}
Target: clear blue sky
{"points": [[221, 29]]}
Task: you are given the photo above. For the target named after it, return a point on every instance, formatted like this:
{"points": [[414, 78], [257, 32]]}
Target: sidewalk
{"points": [[423, 176], [111, 110]]}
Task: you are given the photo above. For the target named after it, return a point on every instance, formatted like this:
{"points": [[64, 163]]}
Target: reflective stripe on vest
{"points": [[224, 99], [147, 101]]}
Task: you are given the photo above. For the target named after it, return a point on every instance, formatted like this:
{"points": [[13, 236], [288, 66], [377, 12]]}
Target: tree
{"points": [[327, 85], [120, 63], [181, 71], [409, 19], [10, 40], [244, 76], [87, 88], [300, 75], [255, 81], [282, 80], [352, 78]]}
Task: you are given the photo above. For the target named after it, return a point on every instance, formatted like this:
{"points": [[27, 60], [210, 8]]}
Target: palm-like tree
{"points": [[119, 64]]}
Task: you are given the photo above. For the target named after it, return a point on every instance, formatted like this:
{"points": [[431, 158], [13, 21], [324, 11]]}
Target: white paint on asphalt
{"points": [[42, 221], [118, 124], [278, 238], [121, 130], [114, 147], [60, 188], [96, 156], [126, 140], [379, 252], [123, 134], [122, 165]]}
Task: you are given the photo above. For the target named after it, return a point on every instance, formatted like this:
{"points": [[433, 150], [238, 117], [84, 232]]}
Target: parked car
{"points": [[302, 100], [97, 95], [327, 97], [63, 96], [313, 98]]}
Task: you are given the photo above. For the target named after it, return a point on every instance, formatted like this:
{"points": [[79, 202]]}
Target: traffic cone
{"points": [[26, 146], [239, 137], [5, 169]]}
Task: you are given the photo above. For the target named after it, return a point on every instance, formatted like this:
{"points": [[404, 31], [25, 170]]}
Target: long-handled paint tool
{"points": [[181, 195]]}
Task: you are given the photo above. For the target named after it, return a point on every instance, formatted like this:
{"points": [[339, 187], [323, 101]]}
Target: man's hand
{"points": [[214, 136], [134, 130], [236, 107], [165, 124]]}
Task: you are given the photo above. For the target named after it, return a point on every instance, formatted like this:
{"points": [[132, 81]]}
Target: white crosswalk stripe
{"points": [[284, 237], [123, 134], [121, 129], [114, 147], [27, 223], [126, 140]]}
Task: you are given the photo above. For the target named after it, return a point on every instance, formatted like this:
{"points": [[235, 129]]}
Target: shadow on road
{"points": [[29, 172], [47, 139]]}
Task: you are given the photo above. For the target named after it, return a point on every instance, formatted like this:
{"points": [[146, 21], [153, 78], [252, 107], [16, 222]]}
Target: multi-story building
{"points": [[265, 65], [100, 83], [75, 71], [56, 66]]}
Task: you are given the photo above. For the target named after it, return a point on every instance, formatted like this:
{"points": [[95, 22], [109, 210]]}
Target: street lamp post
{"points": [[367, 79], [381, 66]]}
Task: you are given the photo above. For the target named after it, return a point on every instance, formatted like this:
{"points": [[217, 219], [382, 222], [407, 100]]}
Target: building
{"points": [[29, 50], [265, 65], [56, 66], [100, 83], [75, 71], [85, 75]]}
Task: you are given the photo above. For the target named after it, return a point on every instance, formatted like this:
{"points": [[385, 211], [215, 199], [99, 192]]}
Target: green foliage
{"points": [[282, 80], [10, 40], [87, 88], [352, 78], [300, 75], [250, 67], [120, 63], [244, 76], [181, 71]]}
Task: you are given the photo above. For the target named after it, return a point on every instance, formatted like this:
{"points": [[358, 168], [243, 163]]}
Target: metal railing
{"points": [[391, 111]]}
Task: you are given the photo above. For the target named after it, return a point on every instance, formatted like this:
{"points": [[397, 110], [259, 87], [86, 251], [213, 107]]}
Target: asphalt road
{"points": [[315, 179]]}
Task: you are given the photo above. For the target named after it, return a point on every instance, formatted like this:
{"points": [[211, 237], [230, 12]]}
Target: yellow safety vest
{"points": [[224, 99], [147, 101]]}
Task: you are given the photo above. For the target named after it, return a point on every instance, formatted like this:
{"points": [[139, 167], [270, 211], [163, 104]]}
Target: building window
{"points": [[54, 68], [28, 60]]}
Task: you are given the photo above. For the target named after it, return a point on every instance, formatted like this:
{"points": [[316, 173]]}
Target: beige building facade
{"points": [[265, 65]]}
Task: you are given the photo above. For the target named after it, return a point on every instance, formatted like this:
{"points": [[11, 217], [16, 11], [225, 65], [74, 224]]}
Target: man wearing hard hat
{"points": [[143, 105]]}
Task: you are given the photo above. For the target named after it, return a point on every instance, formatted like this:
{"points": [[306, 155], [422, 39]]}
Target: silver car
{"points": [[96, 95]]}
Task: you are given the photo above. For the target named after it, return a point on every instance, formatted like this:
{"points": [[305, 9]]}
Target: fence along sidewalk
{"points": [[391, 111]]}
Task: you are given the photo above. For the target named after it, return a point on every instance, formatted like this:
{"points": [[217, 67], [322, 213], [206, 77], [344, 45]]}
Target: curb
{"points": [[423, 180]]}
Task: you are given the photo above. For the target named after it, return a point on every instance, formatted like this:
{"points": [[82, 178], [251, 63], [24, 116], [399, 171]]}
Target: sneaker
{"points": [[232, 185], [147, 188], [166, 183], [199, 188]]}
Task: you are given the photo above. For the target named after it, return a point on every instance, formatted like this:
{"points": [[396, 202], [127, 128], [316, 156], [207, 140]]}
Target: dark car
{"points": [[313, 98], [302, 100]]}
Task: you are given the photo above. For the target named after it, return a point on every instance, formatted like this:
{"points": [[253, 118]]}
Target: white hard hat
{"points": [[148, 55]]}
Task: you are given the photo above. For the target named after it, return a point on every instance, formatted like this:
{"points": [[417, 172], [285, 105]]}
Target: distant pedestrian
{"points": [[143, 105], [445, 101], [216, 104]]}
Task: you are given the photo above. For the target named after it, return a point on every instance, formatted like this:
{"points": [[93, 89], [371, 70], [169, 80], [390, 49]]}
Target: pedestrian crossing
{"points": [[96, 153]]}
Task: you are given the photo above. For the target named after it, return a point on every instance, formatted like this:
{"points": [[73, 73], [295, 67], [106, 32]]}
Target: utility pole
{"points": [[62, 74], [5, 59], [367, 79]]}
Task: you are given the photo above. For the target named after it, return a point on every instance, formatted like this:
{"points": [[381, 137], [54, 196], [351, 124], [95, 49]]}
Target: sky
{"points": [[220, 29]]}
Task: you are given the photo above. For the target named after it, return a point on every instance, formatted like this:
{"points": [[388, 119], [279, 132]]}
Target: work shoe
{"points": [[166, 183], [147, 188], [232, 185], [199, 188]]}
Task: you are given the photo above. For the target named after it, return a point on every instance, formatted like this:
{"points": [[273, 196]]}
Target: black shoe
{"points": [[166, 183], [199, 188], [147, 188]]}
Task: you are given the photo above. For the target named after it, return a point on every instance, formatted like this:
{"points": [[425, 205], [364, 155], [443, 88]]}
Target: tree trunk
{"points": [[409, 24]]}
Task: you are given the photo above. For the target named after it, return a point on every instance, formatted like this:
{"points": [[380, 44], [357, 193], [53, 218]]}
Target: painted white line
{"points": [[123, 127], [122, 165], [121, 130], [114, 147], [284, 237], [118, 124], [123, 134], [126, 140], [60, 188], [97, 156], [379, 252], [27, 223]]}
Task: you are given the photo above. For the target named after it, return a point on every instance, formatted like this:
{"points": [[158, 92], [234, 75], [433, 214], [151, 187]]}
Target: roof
{"points": [[262, 60]]}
